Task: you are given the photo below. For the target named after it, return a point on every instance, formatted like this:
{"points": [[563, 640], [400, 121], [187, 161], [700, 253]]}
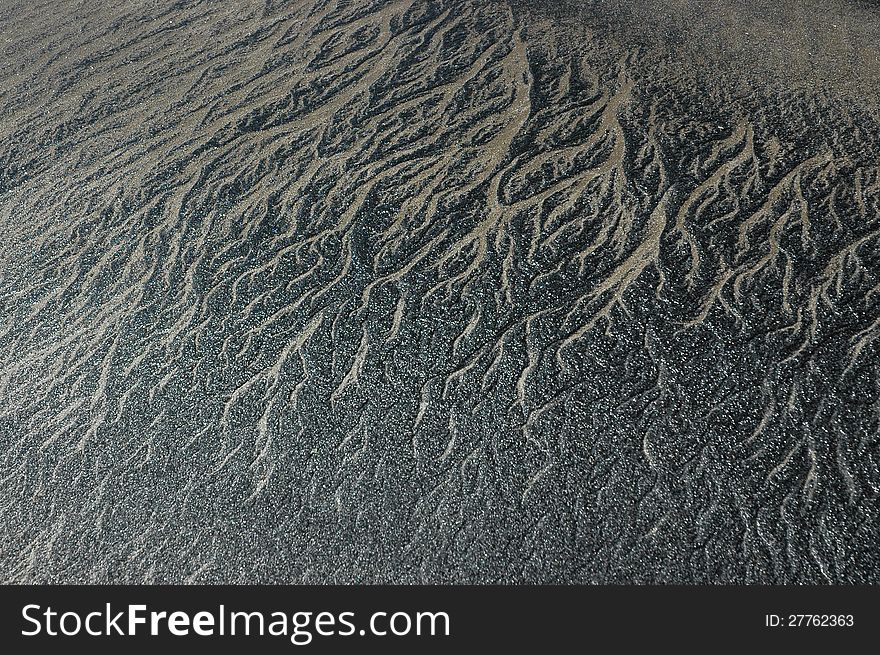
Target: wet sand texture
{"points": [[439, 291]]}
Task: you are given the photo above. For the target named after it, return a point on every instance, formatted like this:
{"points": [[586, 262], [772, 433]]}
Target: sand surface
{"points": [[439, 291]]}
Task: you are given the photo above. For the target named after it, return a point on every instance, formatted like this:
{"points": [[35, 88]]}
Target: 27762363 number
{"points": [[810, 620]]}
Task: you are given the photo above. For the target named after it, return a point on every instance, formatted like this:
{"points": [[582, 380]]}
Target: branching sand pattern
{"points": [[425, 291]]}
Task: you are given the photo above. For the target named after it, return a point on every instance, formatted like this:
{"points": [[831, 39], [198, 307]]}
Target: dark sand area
{"points": [[439, 291]]}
